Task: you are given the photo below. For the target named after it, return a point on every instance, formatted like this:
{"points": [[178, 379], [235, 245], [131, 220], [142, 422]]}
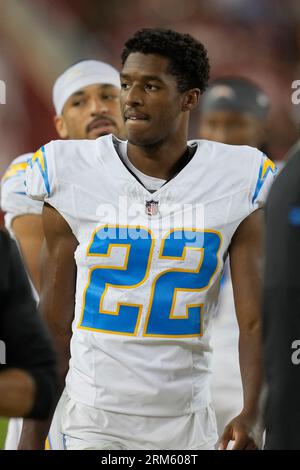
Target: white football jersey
{"points": [[14, 200], [148, 267]]}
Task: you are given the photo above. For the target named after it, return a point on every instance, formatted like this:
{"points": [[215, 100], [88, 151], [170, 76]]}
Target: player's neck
{"points": [[160, 161]]}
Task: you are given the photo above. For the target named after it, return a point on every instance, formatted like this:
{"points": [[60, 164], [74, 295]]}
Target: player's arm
{"points": [[57, 301], [246, 271], [28, 230]]}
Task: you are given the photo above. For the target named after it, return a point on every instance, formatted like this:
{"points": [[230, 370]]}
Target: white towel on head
{"points": [[84, 73]]}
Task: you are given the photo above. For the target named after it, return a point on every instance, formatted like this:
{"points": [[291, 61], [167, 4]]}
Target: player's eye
{"points": [[125, 86], [151, 87], [109, 97], [78, 102]]}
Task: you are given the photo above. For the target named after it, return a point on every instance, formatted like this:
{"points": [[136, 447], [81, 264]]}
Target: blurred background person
{"points": [[86, 102], [28, 382], [281, 319], [232, 111]]}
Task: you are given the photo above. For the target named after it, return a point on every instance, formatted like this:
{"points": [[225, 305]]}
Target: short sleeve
{"points": [[14, 201], [40, 173], [264, 173]]}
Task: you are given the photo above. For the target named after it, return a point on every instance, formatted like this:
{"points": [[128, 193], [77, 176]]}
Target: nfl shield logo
{"points": [[151, 207]]}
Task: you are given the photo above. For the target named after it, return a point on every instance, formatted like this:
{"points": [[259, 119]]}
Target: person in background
{"points": [[87, 106], [233, 111], [28, 381], [281, 307]]}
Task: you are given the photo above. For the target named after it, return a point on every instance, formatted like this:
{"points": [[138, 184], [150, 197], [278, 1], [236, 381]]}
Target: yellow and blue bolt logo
{"points": [[266, 167], [14, 170], [39, 158]]}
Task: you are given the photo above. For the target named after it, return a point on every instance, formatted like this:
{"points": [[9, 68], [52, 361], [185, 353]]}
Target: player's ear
{"points": [[190, 99], [61, 127]]}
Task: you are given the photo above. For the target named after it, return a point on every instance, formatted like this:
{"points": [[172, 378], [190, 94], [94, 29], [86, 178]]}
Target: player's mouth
{"points": [[135, 116], [100, 124]]}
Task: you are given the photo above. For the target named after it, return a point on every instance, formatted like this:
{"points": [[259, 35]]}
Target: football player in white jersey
{"points": [[233, 111], [137, 233], [87, 105]]}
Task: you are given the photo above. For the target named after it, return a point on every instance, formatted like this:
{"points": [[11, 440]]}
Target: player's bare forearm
{"points": [[246, 272], [246, 263], [57, 301], [250, 353], [34, 434], [245, 428]]}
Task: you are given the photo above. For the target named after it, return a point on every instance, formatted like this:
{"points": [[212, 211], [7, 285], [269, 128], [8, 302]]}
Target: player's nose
{"points": [[98, 106], [134, 96]]}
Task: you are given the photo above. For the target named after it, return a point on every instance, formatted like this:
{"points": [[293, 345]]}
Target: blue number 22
{"points": [[161, 320]]}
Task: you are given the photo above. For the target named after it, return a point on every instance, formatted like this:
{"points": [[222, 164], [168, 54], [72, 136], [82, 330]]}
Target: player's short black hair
{"points": [[188, 57]]}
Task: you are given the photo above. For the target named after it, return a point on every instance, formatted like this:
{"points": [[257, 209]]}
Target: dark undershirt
{"points": [[182, 162]]}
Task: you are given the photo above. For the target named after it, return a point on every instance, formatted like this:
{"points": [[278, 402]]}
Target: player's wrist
{"points": [[250, 413]]}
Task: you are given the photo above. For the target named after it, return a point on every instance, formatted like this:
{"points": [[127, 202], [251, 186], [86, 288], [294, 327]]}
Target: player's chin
{"points": [[100, 132], [138, 136], [139, 140]]}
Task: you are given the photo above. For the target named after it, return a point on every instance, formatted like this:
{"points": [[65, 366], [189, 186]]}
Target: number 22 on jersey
{"points": [[139, 243]]}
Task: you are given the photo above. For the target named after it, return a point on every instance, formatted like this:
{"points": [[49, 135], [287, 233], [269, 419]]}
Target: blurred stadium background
{"points": [[258, 39]]}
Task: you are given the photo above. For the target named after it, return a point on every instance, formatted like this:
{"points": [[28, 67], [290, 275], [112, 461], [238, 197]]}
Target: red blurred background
{"points": [[258, 39]]}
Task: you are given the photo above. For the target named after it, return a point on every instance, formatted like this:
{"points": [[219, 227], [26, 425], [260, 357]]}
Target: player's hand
{"points": [[241, 431]]}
